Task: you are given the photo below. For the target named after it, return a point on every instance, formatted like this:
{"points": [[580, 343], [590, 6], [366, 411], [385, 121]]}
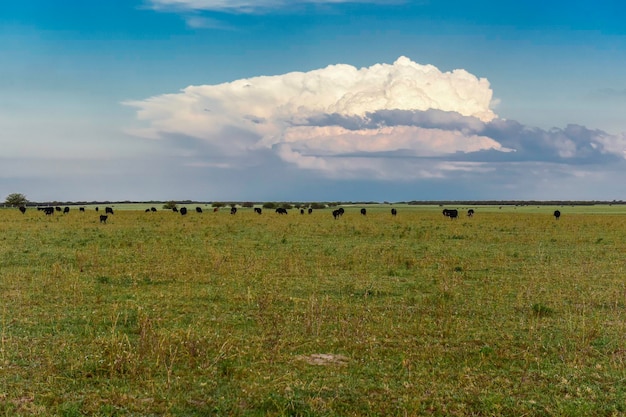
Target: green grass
{"points": [[507, 313]]}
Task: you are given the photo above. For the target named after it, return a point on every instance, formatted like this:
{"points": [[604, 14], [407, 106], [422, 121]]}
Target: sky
{"points": [[312, 100]]}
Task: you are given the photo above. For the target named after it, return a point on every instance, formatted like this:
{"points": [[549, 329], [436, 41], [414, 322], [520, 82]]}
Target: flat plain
{"points": [[510, 312]]}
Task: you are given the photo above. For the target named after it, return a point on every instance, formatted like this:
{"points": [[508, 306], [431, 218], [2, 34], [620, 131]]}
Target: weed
{"points": [[542, 310]]}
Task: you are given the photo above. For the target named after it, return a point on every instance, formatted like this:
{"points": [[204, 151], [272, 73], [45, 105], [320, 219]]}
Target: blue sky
{"points": [[312, 100]]}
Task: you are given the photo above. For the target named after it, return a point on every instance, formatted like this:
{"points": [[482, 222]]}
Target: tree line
{"points": [[19, 199]]}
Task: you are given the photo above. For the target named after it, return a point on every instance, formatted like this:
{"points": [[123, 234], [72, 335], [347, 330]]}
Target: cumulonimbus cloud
{"points": [[341, 119]]}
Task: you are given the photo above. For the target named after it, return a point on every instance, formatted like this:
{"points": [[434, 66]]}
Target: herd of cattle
{"points": [[48, 210]]}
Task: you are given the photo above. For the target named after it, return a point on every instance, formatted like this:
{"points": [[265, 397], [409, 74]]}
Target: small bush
{"points": [[542, 310], [169, 205]]}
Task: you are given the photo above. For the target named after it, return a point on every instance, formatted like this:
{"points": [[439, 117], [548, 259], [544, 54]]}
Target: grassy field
{"points": [[509, 313]]}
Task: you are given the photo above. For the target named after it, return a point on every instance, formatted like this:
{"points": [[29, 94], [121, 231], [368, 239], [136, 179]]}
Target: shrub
{"points": [[169, 205]]}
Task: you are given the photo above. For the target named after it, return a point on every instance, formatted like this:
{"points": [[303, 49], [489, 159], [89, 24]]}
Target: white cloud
{"points": [[411, 140], [248, 6], [293, 110], [200, 22]]}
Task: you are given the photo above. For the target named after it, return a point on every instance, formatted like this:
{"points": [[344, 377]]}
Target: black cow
{"points": [[281, 210], [48, 210], [394, 211], [174, 209], [183, 211], [198, 209], [147, 210], [103, 218], [470, 213], [57, 208], [66, 210], [108, 210], [310, 210], [301, 211], [153, 209], [557, 214], [23, 209], [338, 213], [97, 209], [452, 213], [81, 209], [363, 211], [233, 210], [258, 210]]}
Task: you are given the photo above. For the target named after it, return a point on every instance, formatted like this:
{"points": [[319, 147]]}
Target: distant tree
{"points": [[218, 204], [16, 200], [318, 206], [170, 205], [269, 205], [286, 206], [247, 204]]}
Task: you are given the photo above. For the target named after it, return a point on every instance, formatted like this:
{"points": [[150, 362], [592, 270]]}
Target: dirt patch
{"points": [[324, 359]]}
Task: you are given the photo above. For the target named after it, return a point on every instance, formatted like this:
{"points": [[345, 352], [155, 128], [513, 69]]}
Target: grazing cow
{"points": [[470, 213], [394, 211], [258, 210], [57, 208], [183, 211], [153, 209], [310, 210], [103, 218], [81, 209], [336, 213], [198, 210], [215, 209], [23, 209], [557, 214], [147, 210], [66, 210], [281, 210], [48, 210], [233, 210], [97, 209], [108, 210], [301, 211], [174, 209], [452, 213], [363, 211]]}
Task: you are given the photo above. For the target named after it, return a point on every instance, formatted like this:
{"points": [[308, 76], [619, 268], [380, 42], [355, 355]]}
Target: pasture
{"points": [[507, 313]]}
